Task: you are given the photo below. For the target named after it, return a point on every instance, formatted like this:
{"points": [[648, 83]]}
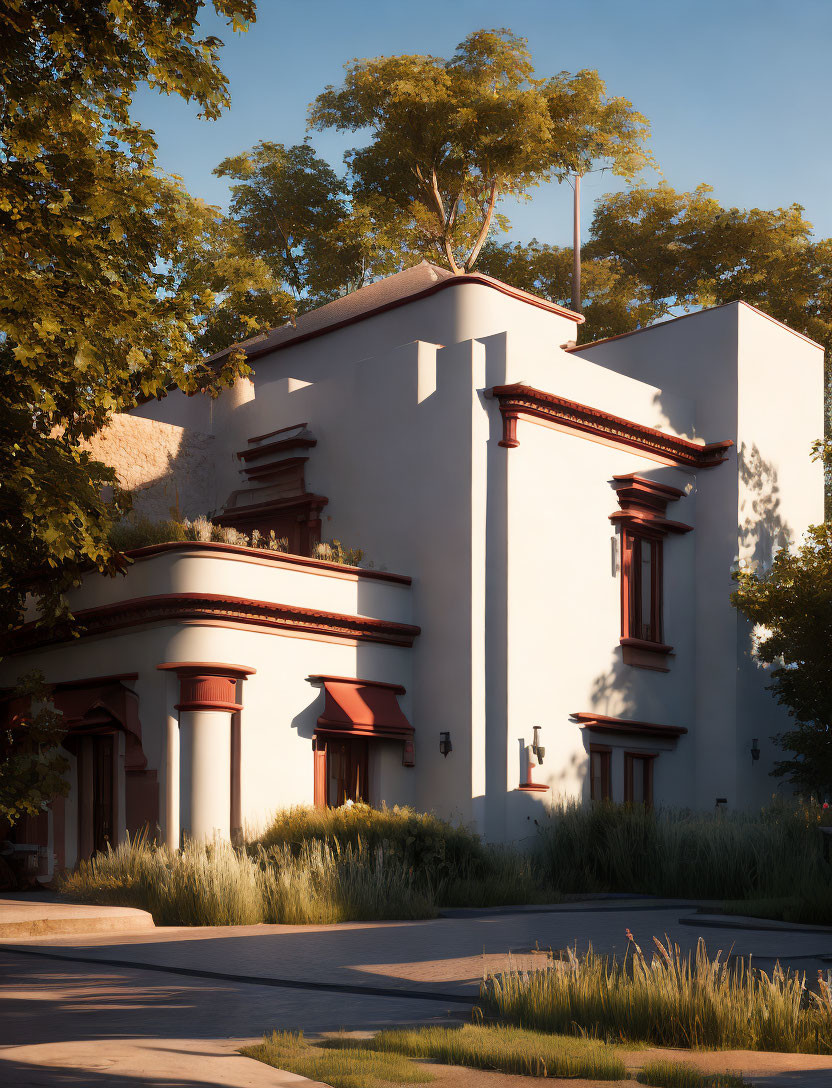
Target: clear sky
{"points": [[739, 92]]}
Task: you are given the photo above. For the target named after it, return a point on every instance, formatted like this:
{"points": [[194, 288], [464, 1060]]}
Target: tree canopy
{"points": [[449, 138], [652, 251], [791, 606], [103, 283]]}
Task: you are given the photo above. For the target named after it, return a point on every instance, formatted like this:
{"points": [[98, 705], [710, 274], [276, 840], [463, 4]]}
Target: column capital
{"points": [[207, 685]]}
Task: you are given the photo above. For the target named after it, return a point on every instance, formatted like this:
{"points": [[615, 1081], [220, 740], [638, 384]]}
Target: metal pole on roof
{"points": [[576, 245]]}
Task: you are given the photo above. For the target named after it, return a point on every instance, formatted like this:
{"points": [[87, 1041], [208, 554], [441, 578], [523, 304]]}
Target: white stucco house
{"points": [[552, 531]]}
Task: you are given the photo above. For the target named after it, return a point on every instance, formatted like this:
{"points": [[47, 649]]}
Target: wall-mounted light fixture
{"points": [[755, 750], [445, 745], [537, 747]]}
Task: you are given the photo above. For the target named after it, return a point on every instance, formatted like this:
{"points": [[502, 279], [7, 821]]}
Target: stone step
{"points": [[30, 916]]}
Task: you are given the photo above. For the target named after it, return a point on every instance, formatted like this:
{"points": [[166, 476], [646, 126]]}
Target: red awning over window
{"points": [[364, 708]]}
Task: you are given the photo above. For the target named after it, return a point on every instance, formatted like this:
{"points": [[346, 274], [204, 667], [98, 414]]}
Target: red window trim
{"points": [[631, 628], [605, 752], [648, 759]]}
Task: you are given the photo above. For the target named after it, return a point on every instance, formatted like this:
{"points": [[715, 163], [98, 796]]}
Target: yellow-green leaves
{"points": [[451, 138], [103, 269]]}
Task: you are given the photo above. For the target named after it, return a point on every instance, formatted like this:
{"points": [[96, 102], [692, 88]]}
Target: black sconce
{"points": [[755, 750], [445, 745], [537, 747]]}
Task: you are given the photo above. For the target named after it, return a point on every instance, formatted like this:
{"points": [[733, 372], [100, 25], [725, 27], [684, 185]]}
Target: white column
{"points": [[206, 773], [172, 777], [207, 702]]}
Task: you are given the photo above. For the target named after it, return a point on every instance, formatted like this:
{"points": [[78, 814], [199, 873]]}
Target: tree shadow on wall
{"points": [[762, 530]]}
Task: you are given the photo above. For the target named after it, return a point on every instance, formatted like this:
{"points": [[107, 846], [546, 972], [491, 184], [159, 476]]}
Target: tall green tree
{"points": [[791, 607], [294, 227], [450, 138], [654, 251], [103, 289]]}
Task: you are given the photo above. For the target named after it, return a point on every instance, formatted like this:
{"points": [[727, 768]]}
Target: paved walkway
{"points": [[184, 988]]}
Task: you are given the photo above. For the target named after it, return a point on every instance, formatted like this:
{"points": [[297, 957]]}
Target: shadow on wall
{"points": [[763, 531]]}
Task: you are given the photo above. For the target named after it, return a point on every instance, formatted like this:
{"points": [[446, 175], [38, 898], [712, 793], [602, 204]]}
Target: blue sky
{"points": [[739, 92]]}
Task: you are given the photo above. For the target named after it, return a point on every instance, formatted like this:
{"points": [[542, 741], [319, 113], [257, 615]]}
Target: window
{"points": [[347, 766], [638, 777], [642, 587], [600, 779]]}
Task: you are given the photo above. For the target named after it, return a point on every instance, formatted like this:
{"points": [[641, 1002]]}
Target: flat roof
{"points": [[698, 313]]}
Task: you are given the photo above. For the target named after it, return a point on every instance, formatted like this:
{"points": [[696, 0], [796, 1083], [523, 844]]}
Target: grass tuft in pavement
{"points": [[663, 1074], [506, 1049], [356, 1067]]}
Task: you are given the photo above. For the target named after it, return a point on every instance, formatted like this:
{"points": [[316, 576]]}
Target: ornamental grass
{"points": [[507, 1049], [664, 1074], [606, 847], [356, 1067], [670, 999], [207, 884]]}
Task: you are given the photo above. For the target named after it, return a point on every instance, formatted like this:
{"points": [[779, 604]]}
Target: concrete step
{"points": [[24, 916]]}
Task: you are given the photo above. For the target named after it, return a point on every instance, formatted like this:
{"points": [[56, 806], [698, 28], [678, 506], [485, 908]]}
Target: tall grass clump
{"points": [[204, 884], [508, 1049], [670, 999], [630, 848], [450, 863], [208, 884], [322, 883]]}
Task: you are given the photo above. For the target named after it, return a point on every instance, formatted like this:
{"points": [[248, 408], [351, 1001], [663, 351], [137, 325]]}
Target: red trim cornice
{"points": [[221, 610], [602, 723], [533, 404], [236, 551]]}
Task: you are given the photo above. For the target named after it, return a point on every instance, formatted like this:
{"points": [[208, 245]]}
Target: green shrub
{"points": [[670, 999], [450, 864], [630, 848], [508, 1049]]}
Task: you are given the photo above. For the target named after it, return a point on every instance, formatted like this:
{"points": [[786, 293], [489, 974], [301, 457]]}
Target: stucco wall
{"points": [[166, 467], [280, 705]]}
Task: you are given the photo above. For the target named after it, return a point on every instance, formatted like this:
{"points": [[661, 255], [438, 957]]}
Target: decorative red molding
{"points": [[207, 685], [364, 708], [262, 555], [602, 723], [644, 502], [220, 610], [522, 400]]}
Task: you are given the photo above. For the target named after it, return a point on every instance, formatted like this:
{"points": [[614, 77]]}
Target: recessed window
{"points": [[638, 778], [642, 587], [600, 778]]}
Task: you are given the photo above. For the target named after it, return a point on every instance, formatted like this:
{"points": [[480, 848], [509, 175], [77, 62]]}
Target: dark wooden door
{"points": [[103, 807], [347, 766]]}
